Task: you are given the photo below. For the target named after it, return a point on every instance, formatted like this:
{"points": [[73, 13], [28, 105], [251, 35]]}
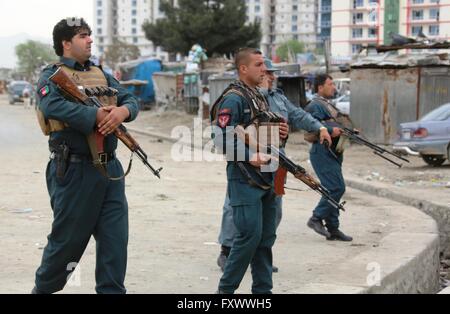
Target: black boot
{"points": [[37, 291], [317, 225], [224, 252], [336, 234]]}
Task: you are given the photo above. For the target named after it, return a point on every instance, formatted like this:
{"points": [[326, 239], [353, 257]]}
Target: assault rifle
{"points": [[298, 171], [377, 150], [70, 88]]}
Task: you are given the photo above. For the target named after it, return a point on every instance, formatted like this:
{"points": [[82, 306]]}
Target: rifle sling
{"points": [[101, 165], [265, 186]]}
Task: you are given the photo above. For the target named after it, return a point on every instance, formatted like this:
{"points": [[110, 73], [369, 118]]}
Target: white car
{"points": [[343, 103]]}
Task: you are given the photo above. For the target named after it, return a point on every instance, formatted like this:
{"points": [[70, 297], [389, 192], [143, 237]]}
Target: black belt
{"points": [[76, 158]]}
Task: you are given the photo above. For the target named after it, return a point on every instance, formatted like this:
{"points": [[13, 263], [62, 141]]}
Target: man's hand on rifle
{"points": [[115, 116], [336, 132], [324, 135], [259, 159], [284, 130]]}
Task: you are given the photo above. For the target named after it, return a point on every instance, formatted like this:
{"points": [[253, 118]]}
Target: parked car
{"points": [[16, 89], [428, 138], [343, 103]]}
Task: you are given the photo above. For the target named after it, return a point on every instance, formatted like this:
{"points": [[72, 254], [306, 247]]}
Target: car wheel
{"points": [[434, 160]]}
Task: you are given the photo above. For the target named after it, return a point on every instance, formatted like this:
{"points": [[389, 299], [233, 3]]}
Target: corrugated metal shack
{"points": [[390, 89]]}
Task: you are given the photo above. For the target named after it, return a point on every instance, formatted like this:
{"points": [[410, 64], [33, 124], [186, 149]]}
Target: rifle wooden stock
{"points": [[69, 87]]}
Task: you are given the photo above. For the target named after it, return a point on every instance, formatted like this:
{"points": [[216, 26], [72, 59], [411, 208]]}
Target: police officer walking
{"points": [[297, 118], [327, 162], [84, 201]]}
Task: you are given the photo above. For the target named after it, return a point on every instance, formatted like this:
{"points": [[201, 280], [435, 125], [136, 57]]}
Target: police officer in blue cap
{"points": [[295, 117]]}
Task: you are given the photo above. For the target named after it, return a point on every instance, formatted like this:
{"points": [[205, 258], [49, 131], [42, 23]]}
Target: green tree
{"points": [[32, 55], [119, 52], [289, 50], [218, 26]]}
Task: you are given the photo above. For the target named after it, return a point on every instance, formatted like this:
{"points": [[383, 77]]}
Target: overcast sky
{"points": [[37, 17]]}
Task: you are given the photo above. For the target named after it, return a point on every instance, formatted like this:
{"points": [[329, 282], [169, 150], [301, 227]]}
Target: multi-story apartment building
{"points": [[355, 23], [283, 20], [432, 17], [324, 22], [361, 22], [122, 20]]}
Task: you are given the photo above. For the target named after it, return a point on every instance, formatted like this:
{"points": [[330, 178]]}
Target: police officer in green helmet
{"points": [[84, 201]]}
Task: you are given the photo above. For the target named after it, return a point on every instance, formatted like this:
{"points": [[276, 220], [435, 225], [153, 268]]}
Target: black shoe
{"points": [[338, 235], [274, 269], [317, 225], [37, 291]]}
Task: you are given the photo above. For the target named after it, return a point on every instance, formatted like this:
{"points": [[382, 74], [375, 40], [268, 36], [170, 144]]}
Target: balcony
{"points": [[423, 5]]}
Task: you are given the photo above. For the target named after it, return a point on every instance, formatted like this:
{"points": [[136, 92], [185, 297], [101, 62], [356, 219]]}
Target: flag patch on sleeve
{"points": [[224, 117], [44, 91]]}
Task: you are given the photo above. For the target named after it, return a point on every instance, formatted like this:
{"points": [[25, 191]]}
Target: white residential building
{"points": [[283, 20], [122, 20], [360, 22]]}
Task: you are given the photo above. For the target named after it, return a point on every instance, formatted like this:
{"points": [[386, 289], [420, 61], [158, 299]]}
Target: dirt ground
{"points": [[174, 222]]}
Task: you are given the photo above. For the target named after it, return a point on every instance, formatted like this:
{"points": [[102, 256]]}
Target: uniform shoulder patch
{"points": [[44, 91], [224, 117]]}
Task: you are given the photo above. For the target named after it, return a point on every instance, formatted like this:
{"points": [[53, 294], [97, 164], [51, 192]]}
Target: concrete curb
{"points": [[439, 212], [415, 270]]}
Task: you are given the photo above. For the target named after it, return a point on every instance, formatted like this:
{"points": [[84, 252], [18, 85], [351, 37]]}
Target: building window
{"points": [[257, 8], [100, 40], [133, 22], [358, 3], [417, 14], [417, 1], [100, 49], [294, 28], [358, 18], [99, 12], [99, 3], [135, 40], [357, 33], [434, 14], [133, 12], [133, 31], [99, 21], [433, 30], [294, 7], [373, 32], [415, 30], [294, 18], [99, 31], [134, 3]]}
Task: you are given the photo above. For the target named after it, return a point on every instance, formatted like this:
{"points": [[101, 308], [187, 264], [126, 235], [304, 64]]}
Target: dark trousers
{"points": [[85, 203], [329, 171], [254, 216]]}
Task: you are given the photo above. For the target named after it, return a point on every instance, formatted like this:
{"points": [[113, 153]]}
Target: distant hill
{"points": [[7, 44]]}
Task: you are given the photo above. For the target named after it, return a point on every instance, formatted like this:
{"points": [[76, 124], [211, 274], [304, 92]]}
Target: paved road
{"points": [[174, 224]]}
